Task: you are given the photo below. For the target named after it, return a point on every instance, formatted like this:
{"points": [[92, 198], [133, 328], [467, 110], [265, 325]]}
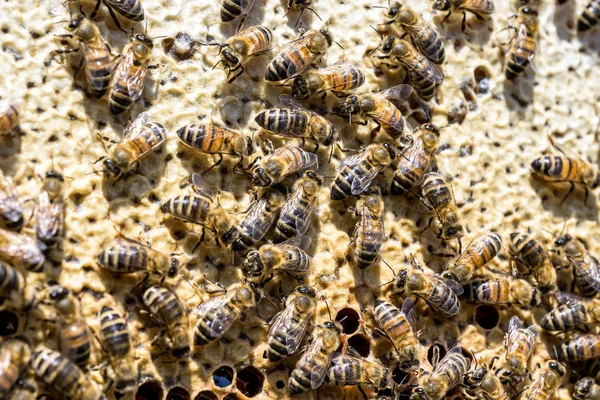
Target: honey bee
{"points": [[546, 385], [379, 107], [140, 138], [337, 78], [25, 389], [296, 214], [51, 210], [15, 354], [416, 160], [218, 314], [115, 339], [288, 256], [441, 294], [289, 326], [130, 74], [482, 383], [11, 212], [74, 335], [345, 370], [9, 117], [580, 348], [284, 161], [520, 344], [250, 41], [203, 209], [301, 5], [590, 16], [355, 173], [522, 51], [130, 9], [422, 34], [97, 59], [12, 287], [586, 267], [529, 252], [257, 222], [447, 374], [482, 249], [296, 56], [297, 122], [21, 251], [586, 389], [369, 233], [127, 256], [63, 376], [573, 312], [479, 8], [166, 308], [311, 370], [232, 9], [504, 290], [399, 327], [439, 197]]}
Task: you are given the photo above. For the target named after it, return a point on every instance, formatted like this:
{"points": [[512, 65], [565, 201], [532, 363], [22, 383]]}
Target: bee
{"points": [[250, 41], [422, 34], [590, 16], [504, 290], [51, 210], [289, 326], [288, 256], [369, 233], [130, 9], [12, 287], [573, 312], [586, 389], [218, 314], [482, 383], [529, 252], [520, 344], [97, 58], [586, 267], [116, 340], [284, 161], [297, 122], [296, 56], [203, 208], [522, 51], [167, 310], [345, 370], [130, 74], [416, 160], [482, 249], [257, 222], [63, 376], [355, 173], [15, 354], [311, 370], [9, 117], [11, 212], [399, 327], [580, 348], [74, 335], [140, 138], [301, 5], [379, 107], [439, 197], [447, 374], [296, 214], [546, 385], [232, 9], [21, 251], [127, 256], [441, 294], [479, 8], [337, 78]]}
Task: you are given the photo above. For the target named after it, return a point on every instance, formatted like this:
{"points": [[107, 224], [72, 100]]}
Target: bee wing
{"points": [[294, 332], [350, 161], [246, 5], [422, 30], [302, 242], [302, 218], [291, 102], [521, 36], [341, 70], [410, 311], [591, 273], [514, 324], [294, 47], [254, 224], [200, 186], [453, 285], [222, 321], [135, 125], [89, 51], [396, 93], [362, 182], [569, 298], [9, 203], [319, 370], [376, 229], [49, 215], [133, 76]]}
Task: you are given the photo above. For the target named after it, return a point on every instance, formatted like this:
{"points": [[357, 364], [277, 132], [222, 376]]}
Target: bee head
{"points": [[181, 352], [529, 11], [311, 292], [299, 88], [561, 241], [326, 36], [260, 177], [560, 369], [419, 394], [230, 58], [390, 149], [230, 235], [594, 180], [401, 281], [111, 167], [582, 387], [449, 275], [451, 230], [388, 43], [75, 22], [59, 293], [253, 265], [53, 183], [393, 10], [441, 5], [140, 37], [314, 176], [351, 105], [331, 137], [474, 378], [536, 298], [174, 268]]}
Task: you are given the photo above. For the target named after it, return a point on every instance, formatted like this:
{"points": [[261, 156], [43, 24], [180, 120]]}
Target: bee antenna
{"points": [[389, 266], [328, 309], [377, 30], [341, 47], [386, 283], [382, 7], [218, 62]]}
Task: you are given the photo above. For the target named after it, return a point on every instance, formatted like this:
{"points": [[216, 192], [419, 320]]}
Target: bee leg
{"points": [[375, 130], [235, 76], [445, 18], [585, 199], [463, 25], [219, 161], [569, 193], [199, 240], [95, 12]]}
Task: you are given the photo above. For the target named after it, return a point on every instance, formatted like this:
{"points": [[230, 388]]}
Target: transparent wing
{"points": [[200, 186], [246, 5], [360, 183], [222, 321], [453, 285], [410, 311], [522, 36], [294, 332], [95, 51], [373, 224], [514, 324], [591, 272], [350, 161], [569, 298], [319, 369], [256, 224], [464, 252], [296, 47], [9, 203], [135, 125], [396, 93], [291, 102], [49, 216], [132, 75], [423, 29], [302, 242], [341, 70]]}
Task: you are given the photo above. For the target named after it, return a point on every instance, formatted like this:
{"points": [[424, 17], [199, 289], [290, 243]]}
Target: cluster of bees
{"points": [[288, 185]]}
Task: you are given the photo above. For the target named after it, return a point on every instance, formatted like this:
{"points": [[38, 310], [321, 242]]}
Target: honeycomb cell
{"points": [[361, 344], [9, 323], [223, 376], [250, 381], [178, 393], [206, 395], [487, 316], [350, 320], [150, 390], [431, 353], [280, 384], [482, 80], [231, 396], [44, 397], [399, 376]]}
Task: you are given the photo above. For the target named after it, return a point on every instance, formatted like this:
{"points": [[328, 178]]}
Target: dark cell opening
{"points": [[231, 396], [349, 319], [487, 316], [178, 393], [149, 390], [206, 395], [482, 80], [44, 397], [385, 393], [433, 349], [280, 384], [223, 376], [399, 376], [250, 381], [361, 344], [9, 323]]}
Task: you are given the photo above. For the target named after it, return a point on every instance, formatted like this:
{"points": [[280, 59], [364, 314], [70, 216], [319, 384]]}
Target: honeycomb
{"points": [[493, 129]]}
